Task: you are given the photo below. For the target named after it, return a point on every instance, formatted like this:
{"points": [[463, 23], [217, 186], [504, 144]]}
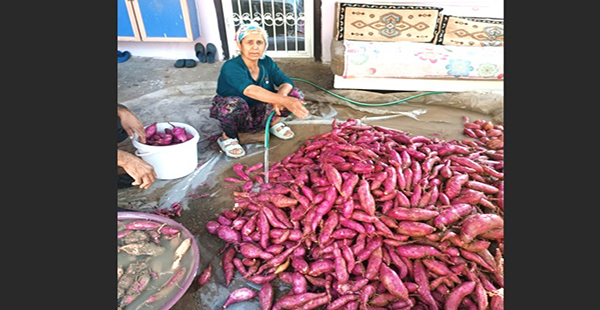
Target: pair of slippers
{"points": [[188, 63], [123, 56], [205, 54]]}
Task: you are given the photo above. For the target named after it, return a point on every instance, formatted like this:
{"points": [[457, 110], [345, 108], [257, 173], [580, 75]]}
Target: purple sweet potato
{"points": [[477, 224], [414, 229], [150, 130], [227, 265], [422, 280], [451, 215], [454, 185], [239, 295], [333, 175], [205, 275], [412, 214], [142, 225], [320, 267], [265, 296], [373, 264], [260, 279], [211, 226], [367, 202], [299, 283], [456, 296], [497, 302], [342, 301], [415, 251], [467, 162], [392, 282], [294, 301], [469, 196], [228, 234], [482, 187], [251, 250]]}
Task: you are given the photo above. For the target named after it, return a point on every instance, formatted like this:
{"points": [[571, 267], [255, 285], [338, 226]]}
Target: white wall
{"points": [[209, 33], [475, 8]]}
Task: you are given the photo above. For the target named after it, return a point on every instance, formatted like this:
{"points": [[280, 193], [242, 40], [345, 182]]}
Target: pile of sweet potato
{"points": [[169, 136], [365, 217]]}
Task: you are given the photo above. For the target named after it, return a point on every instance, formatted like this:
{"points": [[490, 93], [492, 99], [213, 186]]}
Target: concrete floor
{"points": [[157, 90]]}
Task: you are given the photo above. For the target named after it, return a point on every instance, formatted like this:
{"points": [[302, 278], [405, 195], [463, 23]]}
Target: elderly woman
{"points": [[249, 88]]}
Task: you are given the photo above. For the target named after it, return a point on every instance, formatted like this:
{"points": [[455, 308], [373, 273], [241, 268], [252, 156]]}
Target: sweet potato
{"points": [[320, 267], [205, 275], [497, 302], [365, 253], [496, 233], [294, 301], [415, 251], [458, 293], [408, 176], [469, 196], [414, 228], [142, 225], [333, 175], [239, 295], [315, 303], [422, 280], [382, 300], [299, 283], [451, 215], [367, 202], [477, 224], [454, 185], [436, 266], [260, 279], [361, 216], [392, 282], [342, 301], [228, 234], [227, 265], [223, 220], [265, 296], [483, 187], [373, 264], [251, 250], [238, 168], [474, 257], [263, 229]]}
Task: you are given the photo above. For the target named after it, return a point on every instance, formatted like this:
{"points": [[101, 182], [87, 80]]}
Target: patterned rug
{"points": [[373, 22], [468, 31]]}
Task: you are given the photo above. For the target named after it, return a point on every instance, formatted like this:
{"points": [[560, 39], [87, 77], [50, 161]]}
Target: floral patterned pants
{"points": [[235, 115]]}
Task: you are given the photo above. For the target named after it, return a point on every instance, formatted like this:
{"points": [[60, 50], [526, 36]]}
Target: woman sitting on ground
{"points": [[247, 94]]}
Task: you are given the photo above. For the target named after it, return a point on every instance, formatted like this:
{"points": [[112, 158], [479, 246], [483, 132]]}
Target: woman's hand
{"points": [[142, 172], [278, 100], [294, 105], [131, 123]]}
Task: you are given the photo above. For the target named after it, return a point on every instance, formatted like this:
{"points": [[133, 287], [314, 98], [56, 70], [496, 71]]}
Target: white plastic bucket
{"points": [[170, 161]]}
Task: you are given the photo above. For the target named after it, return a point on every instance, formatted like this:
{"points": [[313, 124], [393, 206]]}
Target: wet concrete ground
{"points": [[146, 85]]}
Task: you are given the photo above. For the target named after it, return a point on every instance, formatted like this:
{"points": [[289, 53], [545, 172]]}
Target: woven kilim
{"points": [[468, 31], [375, 22]]}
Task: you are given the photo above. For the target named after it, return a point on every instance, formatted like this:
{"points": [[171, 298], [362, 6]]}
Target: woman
{"points": [[247, 93]]}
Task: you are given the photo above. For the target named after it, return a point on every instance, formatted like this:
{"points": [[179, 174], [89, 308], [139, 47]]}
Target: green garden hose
{"points": [[268, 124]]}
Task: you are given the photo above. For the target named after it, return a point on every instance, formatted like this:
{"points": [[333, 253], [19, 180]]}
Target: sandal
{"points": [[280, 133], [227, 147]]}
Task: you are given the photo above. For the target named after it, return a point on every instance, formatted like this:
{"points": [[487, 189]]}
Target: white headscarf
{"points": [[252, 27]]}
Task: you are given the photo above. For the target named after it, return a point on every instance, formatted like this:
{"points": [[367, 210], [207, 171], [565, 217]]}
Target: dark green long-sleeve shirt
{"points": [[235, 77]]}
